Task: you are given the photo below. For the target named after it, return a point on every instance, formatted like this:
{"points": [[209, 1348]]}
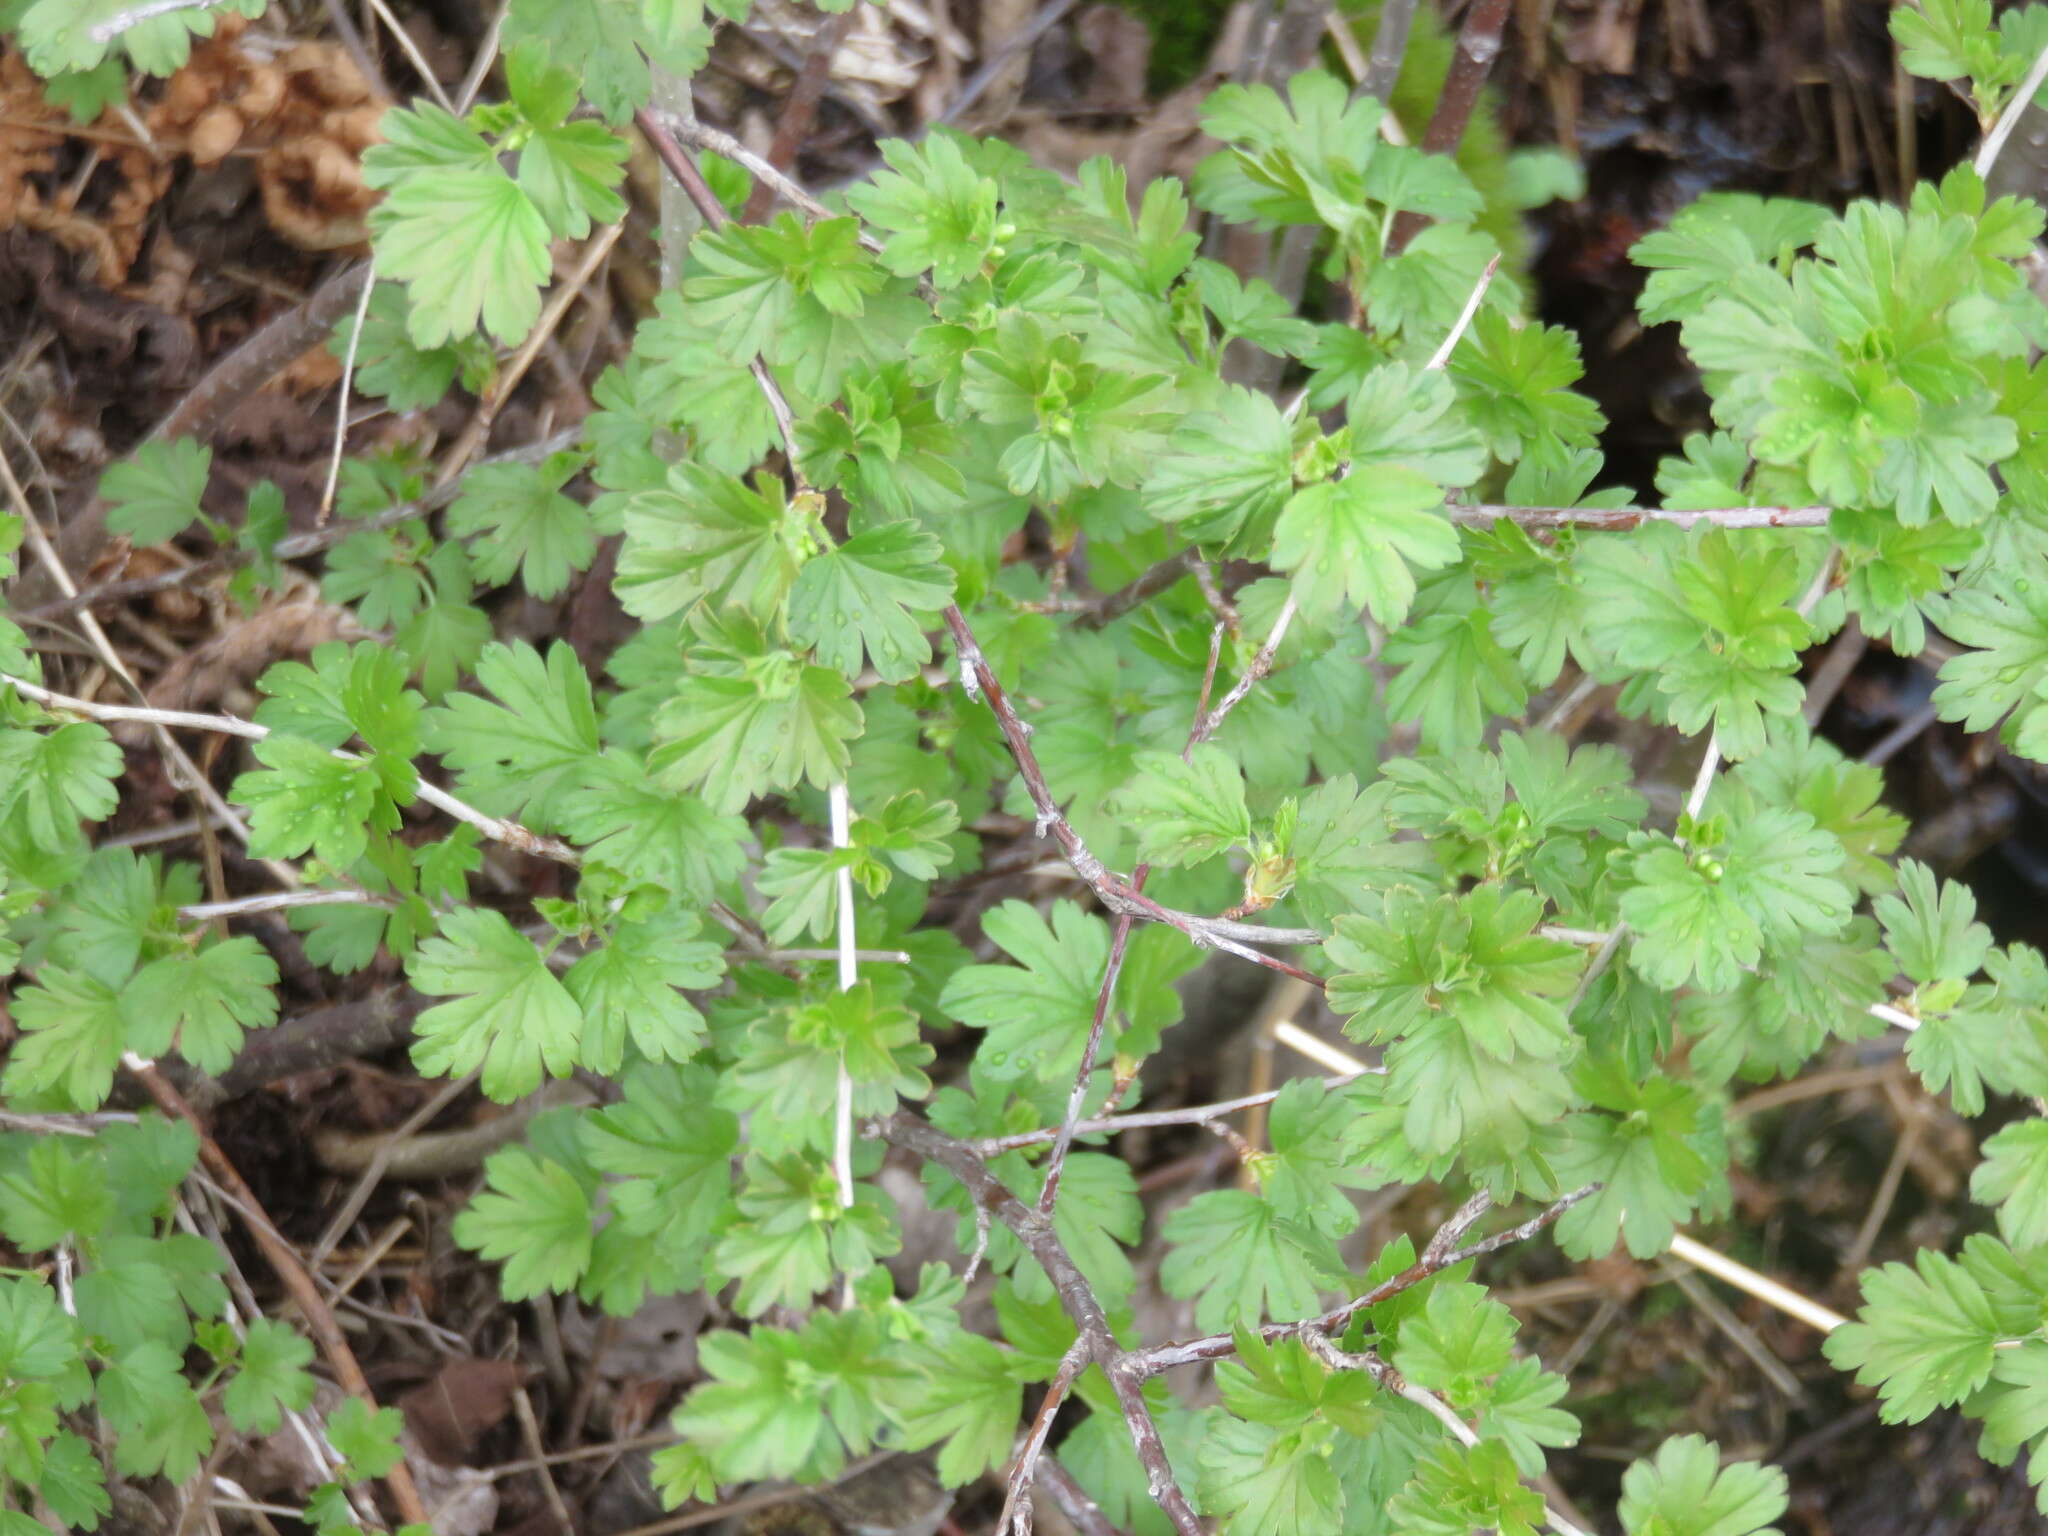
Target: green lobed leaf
{"points": [[1185, 811], [533, 1215], [509, 1017], [1685, 1491], [521, 521], [154, 494], [1925, 1336]]}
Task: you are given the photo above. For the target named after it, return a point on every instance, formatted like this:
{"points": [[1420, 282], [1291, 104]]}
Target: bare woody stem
{"points": [[1217, 1346], [1105, 1000], [1479, 42], [1018, 1485], [1389, 47], [1076, 1295], [1117, 894], [499, 830], [1143, 1119], [799, 110], [1262, 663], [1205, 722], [1128, 1369], [1081, 1511]]}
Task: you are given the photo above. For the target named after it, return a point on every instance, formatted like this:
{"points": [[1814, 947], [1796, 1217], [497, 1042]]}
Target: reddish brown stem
{"points": [[291, 1272], [799, 110], [1077, 1297], [1478, 47]]}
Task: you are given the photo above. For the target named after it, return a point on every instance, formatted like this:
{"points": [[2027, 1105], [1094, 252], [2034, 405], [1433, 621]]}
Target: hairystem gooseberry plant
{"points": [[847, 690]]}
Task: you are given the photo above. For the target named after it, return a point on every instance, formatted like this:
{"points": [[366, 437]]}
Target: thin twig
{"points": [[510, 833], [1762, 1287], [1389, 47], [380, 1162], [486, 414], [1627, 519], [2009, 119], [849, 975], [799, 109], [703, 136], [1148, 1119], [660, 131], [284, 1260], [1478, 46], [1023, 38], [1262, 663], [1740, 1275], [1217, 1346], [747, 1503], [486, 56], [224, 386], [1082, 1512], [1016, 1490], [536, 1448], [279, 901], [1077, 1096], [1319, 1051], [412, 53], [1442, 355], [1393, 1381], [1147, 584], [1077, 1298], [347, 388], [200, 785], [1216, 933], [1703, 780]]}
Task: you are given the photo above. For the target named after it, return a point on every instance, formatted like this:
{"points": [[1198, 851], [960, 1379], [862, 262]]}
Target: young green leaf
{"points": [[1243, 1263], [154, 494], [969, 1397], [631, 989], [464, 237], [533, 1215], [862, 594], [1459, 1488], [305, 799], [2014, 1177], [1685, 1491], [510, 1016], [73, 1034], [1925, 1337], [1710, 911], [367, 1439], [52, 780], [527, 754], [939, 213], [669, 1148], [523, 522], [270, 1378], [1356, 542], [203, 999], [748, 717], [1185, 812]]}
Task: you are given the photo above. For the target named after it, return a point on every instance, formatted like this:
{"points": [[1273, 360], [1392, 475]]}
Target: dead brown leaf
{"points": [[463, 1400]]}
